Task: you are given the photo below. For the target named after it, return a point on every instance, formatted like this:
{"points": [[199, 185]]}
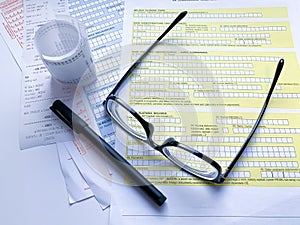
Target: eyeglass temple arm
{"points": [[236, 158], [135, 64]]}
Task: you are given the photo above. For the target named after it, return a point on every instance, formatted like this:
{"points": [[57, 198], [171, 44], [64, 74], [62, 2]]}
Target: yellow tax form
{"points": [[205, 84]]}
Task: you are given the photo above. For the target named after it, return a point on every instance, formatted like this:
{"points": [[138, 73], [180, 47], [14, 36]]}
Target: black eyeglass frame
{"points": [[149, 128]]}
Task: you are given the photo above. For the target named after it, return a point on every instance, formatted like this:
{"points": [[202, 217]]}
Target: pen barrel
{"points": [[135, 176], [80, 126]]}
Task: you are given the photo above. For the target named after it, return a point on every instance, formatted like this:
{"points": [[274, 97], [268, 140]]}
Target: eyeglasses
{"points": [[187, 158]]}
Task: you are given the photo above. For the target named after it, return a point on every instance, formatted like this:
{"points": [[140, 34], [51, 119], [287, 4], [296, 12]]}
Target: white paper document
{"points": [[11, 27], [99, 186], [239, 44], [38, 126], [76, 185], [116, 219]]}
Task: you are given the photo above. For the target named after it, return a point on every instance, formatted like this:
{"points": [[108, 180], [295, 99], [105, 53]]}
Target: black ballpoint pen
{"points": [[80, 126]]}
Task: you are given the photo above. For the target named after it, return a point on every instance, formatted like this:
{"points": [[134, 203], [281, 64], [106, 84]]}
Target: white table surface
{"points": [[32, 188]]}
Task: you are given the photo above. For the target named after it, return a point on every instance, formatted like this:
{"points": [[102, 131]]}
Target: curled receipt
{"points": [[63, 47]]}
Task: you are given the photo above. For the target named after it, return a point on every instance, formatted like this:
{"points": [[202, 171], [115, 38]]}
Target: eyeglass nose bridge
{"points": [[149, 129]]}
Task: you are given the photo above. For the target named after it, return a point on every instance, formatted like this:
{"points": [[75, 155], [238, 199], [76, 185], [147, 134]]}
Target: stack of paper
{"points": [[225, 55]]}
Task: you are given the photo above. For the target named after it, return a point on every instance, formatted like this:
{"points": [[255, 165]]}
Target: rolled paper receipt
{"points": [[63, 47]]}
